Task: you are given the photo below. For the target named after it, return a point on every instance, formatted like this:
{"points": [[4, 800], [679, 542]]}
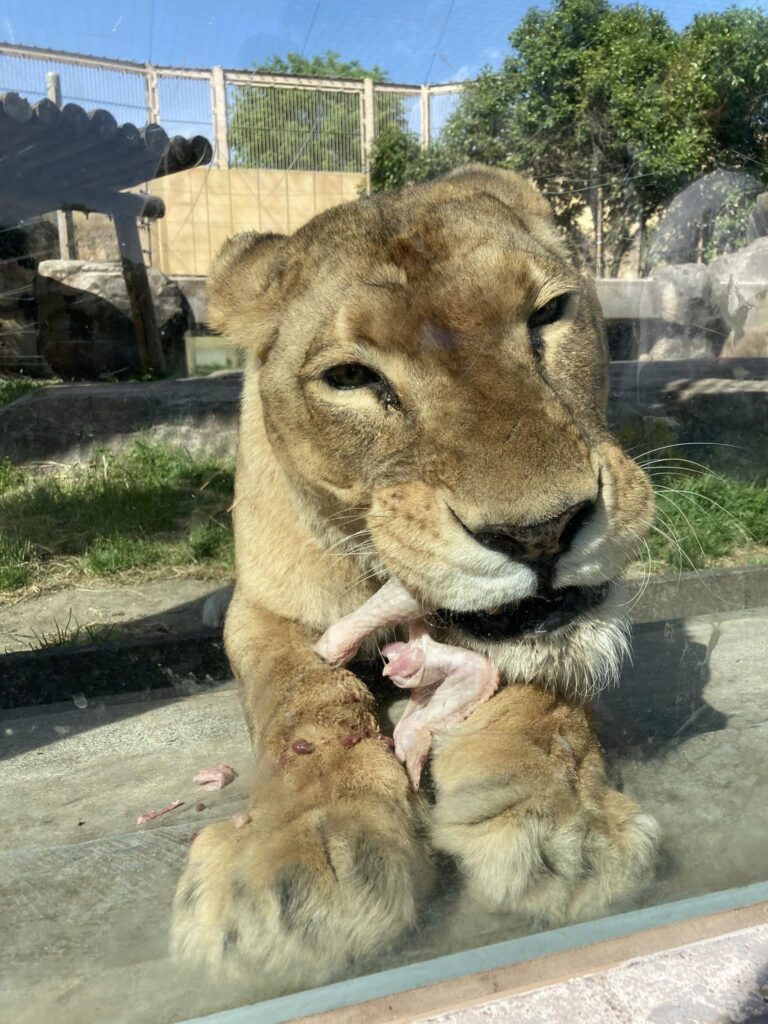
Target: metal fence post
{"points": [[64, 220], [424, 116], [152, 96], [219, 109], [367, 127]]}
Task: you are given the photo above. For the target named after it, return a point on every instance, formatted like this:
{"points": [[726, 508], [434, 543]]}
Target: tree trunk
{"points": [[641, 246], [596, 196]]}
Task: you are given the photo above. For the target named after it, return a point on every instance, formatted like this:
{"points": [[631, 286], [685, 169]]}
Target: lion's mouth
{"points": [[530, 617]]}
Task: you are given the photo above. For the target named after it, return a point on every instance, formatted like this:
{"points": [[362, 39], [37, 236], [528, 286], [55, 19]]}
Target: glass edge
{"points": [[483, 958]]}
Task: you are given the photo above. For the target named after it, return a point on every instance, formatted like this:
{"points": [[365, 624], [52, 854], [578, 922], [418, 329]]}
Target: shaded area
{"points": [[69, 422]]}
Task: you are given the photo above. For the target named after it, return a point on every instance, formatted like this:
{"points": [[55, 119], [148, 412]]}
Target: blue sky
{"points": [[415, 40]]}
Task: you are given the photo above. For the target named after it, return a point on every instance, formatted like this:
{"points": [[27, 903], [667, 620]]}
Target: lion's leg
{"points": [[524, 806], [330, 866]]}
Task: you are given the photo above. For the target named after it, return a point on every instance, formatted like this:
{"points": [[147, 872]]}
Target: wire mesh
{"points": [[122, 93], [398, 110], [185, 105], [293, 129], [441, 106]]}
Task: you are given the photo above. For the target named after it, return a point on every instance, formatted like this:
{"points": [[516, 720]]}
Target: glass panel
{"points": [[522, 411]]}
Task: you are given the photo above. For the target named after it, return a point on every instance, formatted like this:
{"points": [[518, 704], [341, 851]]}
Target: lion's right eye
{"points": [[351, 375]]}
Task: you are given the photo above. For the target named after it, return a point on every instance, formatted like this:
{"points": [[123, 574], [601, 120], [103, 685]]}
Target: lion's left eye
{"points": [[545, 315], [550, 312], [350, 376]]}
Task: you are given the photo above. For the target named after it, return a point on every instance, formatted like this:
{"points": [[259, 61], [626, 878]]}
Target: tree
{"points": [[298, 129], [724, 62], [613, 113]]}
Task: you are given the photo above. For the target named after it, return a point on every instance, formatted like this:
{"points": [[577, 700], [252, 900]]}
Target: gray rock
{"points": [[679, 318], [85, 322], [739, 283], [757, 226], [194, 290], [694, 211]]}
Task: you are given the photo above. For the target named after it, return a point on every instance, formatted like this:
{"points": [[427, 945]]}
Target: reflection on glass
{"points": [[199, 818]]}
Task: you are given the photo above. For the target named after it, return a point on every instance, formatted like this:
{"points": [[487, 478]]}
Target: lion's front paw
{"points": [[536, 829], [299, 898]]}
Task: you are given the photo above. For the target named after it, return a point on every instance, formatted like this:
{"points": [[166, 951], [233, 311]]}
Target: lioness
{"points": [[425, 398]]}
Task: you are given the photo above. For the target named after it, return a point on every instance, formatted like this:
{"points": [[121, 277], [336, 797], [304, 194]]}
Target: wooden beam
{"points": [[129, 204], [64, 222], [145, 326]]}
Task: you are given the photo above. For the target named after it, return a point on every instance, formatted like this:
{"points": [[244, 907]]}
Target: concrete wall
{"points": [[205, 206]]}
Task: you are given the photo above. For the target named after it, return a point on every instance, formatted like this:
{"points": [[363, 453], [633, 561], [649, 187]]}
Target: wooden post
{"points": [[424, 116], [64, 221], [368, 127], [140, 297], [219, 108]]}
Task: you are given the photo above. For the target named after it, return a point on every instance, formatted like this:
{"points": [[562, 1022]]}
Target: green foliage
{"points": [[297, 129], [397, 159], [612, 113], [145, 508]]}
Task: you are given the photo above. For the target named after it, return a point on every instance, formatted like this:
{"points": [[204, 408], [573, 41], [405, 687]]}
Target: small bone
{"points": [[389, 606], [151, 815]]}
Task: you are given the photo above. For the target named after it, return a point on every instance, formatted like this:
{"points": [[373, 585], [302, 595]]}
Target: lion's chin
{"points": [[580, 656]]}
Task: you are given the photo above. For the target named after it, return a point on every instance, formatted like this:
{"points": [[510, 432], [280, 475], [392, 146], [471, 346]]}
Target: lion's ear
{"points": [[243, 289]]}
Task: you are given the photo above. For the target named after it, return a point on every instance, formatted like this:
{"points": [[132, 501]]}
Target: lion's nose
{"points": [[538, 544]]}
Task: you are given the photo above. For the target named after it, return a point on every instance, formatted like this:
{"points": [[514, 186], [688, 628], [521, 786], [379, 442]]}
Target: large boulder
{"points": [[700, 208], [679, 318], [86, 331], [739, 284]]}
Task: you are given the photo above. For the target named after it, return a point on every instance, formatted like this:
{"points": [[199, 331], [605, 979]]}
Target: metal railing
{"points": [[286, 122]]}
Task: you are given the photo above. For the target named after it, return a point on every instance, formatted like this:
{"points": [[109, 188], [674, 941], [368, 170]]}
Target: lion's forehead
{"points": [[459, 300]]}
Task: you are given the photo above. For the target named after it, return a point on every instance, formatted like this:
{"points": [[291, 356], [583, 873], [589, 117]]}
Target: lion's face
{"points": [[433, 380]]}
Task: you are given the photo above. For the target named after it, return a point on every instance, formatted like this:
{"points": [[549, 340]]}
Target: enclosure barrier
{"points": [[270, 121]]}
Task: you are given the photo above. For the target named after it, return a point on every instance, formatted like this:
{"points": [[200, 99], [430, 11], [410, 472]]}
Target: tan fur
{"points": [[337, 490]]}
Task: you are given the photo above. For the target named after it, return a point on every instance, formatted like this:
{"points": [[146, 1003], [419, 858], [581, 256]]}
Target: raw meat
{"points": [[446, 683], [215, 778], [389, 606]]}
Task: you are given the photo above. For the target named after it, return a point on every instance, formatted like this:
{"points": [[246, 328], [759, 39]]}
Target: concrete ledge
{"points": [[80, 672], [66, 422], [197, 656], [697, 593]]}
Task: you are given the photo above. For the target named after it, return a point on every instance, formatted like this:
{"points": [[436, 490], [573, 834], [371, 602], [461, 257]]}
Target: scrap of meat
{"points": [[446, 683], [151, 815], [215, 778]]}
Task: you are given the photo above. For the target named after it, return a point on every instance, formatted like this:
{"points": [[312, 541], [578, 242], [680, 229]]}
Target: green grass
{"points": [[708, 520], [140, 511], [155, 510], [16, 387]]}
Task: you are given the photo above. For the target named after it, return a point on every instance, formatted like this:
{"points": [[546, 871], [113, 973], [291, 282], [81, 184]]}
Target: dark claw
{"points": [[350, 741], [302, 747], [349, 698]]}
